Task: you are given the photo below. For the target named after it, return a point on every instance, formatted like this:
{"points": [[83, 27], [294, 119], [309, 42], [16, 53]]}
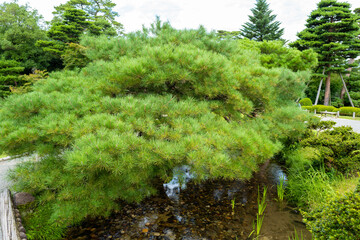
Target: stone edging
{"points": [[10, 219]]}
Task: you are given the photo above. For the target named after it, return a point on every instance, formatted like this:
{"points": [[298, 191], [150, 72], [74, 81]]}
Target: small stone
{"points": [[109, 237], [122, 232], [147, 224], [156, 234], [23, 198], [22, 229], [18, 220]]}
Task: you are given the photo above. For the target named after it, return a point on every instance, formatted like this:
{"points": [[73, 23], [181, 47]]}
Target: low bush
{"points": [[339, 148], [307, 108], [348, 111], [336, 219], [306, 102], [320, 108]]}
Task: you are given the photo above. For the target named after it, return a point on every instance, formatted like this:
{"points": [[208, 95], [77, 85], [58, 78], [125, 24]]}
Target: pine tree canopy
{"points": [[147, 103], [262, 25]]}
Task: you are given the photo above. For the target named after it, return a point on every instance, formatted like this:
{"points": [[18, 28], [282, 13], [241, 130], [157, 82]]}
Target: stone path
{"points": [[5, 165], [355, 124]]}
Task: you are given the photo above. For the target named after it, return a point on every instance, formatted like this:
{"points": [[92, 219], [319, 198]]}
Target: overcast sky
{"points": [[213, 14]]}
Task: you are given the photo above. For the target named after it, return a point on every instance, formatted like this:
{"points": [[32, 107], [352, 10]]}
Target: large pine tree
{"points": [[262, 25], [332, 32]]}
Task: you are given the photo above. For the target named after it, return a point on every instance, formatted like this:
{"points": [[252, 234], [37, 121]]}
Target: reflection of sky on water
{"points": [[182, 175], [276, 173]]}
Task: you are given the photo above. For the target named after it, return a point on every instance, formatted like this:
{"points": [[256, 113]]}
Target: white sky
{"points": [[213, 14]]}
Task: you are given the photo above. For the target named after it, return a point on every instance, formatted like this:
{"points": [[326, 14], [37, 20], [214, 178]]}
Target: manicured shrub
{"points": [[348, 111], [339, 148], [336, 219], [306, 102], [307, 107], [321, 108]]}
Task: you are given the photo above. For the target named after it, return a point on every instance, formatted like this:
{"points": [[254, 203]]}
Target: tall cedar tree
{"points": [[332, 32], [9, 75], [262, 25]]}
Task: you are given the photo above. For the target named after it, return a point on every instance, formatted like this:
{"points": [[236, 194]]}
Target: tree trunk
{"points": [[343, 91], [327, 90]]}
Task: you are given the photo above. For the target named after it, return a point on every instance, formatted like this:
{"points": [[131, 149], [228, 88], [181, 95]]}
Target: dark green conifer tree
{"points": [[75, 18], [10, 71], [332, 32], [262, 25]]}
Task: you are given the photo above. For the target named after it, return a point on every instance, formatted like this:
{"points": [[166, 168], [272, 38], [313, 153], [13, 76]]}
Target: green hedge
{"points": [[306, 102], [320, 108], [306, 108], [348, 111], [344, 111]]}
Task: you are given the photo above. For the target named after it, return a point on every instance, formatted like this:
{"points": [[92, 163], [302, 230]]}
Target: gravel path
{"points": [[355, 124], [5, 165]]}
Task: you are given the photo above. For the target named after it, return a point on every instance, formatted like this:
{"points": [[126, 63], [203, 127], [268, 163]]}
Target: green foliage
{"points": [[20, 29], [262, 25], [228, 34], [71, 21], [38, 227], [321, 108], [336, 219], [306, 102], [9, 76], [29, 81], [274, 54], [310, 188], [319, 161], [75, 56], [338, 148], [306, 107], [100, 15], [163, 98], [348, 111]]}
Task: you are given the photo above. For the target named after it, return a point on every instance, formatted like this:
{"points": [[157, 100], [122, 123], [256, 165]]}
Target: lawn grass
{"points": [[346, 185], [343, 117], [350, 118]]}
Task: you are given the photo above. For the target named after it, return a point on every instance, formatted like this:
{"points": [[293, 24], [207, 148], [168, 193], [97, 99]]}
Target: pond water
{"points": [[200, 211]]}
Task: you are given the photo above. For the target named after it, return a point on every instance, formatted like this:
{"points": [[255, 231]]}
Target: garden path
{"points": [[355, 124]]}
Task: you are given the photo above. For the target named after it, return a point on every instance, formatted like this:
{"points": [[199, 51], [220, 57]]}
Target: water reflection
{"points": [[199, 211]]}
